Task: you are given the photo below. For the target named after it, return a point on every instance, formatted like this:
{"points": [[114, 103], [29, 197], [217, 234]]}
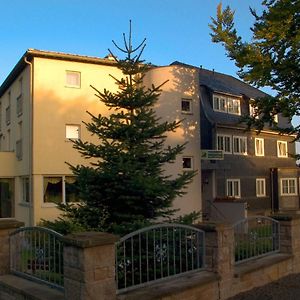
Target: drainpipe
{"points": [[30, 154]]}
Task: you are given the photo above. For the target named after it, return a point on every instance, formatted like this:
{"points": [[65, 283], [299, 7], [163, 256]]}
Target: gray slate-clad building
{"points": [[258, 172]]}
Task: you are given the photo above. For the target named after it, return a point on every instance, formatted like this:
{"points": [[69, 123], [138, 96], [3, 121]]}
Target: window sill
{"points": [[49, 205], [24, 204], [73, 86]]}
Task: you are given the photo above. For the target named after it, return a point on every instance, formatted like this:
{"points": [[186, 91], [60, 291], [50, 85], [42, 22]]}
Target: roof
{"points": [[222, 83], [31, 53]]}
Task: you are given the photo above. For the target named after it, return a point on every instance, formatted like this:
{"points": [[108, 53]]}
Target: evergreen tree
{"points": [[272, 58], [127, 186]]}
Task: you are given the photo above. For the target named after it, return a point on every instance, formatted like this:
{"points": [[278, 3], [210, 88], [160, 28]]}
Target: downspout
{"points": [[30, 154]]}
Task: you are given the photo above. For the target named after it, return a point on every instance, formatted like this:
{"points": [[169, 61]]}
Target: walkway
{"points": [[287, 288]]}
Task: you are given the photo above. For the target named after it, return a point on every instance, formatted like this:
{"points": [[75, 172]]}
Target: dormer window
{"points": [[227, 104]]}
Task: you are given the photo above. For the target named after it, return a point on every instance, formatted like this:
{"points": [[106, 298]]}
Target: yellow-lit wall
{"points": [[56, 105], [182, 83], [46, 150]]}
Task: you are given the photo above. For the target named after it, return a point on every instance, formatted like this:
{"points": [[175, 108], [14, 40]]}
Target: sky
{"points": [[174, 29]]}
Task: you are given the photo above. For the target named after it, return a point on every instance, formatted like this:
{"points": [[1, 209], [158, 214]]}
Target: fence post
{"points": [[290, 237], [89, 266], [220, 254], [7, 226]]}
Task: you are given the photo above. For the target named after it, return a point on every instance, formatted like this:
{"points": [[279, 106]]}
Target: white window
{"points": [[227, 104], [224, 143], [60, 189], [288, 186], [233, 188], [234, 106], [275, 118], [282, 149], [187, 163], [72, 132], [73, 79], [186, 106], [259, 147], [219, 103], [240, 145], [260, 187]]}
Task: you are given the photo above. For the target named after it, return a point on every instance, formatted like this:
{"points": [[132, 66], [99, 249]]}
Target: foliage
{"points": [[124, 186], [271, 59], [62, 226]]}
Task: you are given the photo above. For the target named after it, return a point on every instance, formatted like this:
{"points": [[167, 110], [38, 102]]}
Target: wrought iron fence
{"points": [[37, 253], [254, 237], [158, 252]]}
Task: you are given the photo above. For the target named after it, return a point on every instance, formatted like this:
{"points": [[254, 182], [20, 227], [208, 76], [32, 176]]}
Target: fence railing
{"points": [[37, 253], [158, 252], [254, 237]]}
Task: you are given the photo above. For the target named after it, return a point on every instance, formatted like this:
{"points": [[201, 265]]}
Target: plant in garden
{"points": [[124, 186]]}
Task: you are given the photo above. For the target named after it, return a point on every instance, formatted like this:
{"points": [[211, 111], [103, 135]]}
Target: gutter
{"points": [[30, 158]]}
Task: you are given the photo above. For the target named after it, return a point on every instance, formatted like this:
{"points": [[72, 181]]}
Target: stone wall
{"points": [[89, 268]]}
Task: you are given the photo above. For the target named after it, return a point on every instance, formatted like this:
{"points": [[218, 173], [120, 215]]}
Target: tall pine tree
{"points": [[127, 185]]}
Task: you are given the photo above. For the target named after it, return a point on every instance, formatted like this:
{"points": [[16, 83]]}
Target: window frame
{"points": [[227, 104], [233, 181], [78, 129], [190, 111], [224, 136], [278, 149], [63, 192], [70, 85], [288, 193], [191, 168], [240, 138], [262, 142], [257, 183]]}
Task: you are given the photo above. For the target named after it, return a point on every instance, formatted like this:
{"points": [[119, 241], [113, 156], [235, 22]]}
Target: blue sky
{"points": [[175, 29]]}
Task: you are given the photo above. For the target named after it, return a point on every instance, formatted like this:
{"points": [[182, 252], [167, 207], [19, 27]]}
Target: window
{"points": [[60, 189], [275, 118], [71, 192], [25, 189], [282, 149], [224, 143], [288, 186], [259, 147], [72, 132], [233, 188], [19, 105], [227, 104], [7, 110], [240, 145], [233, 106], [220, 103], [73, 79], [187, 163], [260, 187], [186, 106]]}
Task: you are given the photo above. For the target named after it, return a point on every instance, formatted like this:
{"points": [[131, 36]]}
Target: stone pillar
{"points": [[290, 237], [7, 226], [89, 266], [220, 254]]}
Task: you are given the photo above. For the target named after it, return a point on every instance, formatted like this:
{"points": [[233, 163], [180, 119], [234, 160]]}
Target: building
{"points": [[258, 174], [43, 102]]}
